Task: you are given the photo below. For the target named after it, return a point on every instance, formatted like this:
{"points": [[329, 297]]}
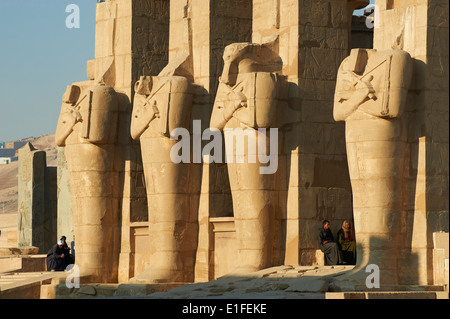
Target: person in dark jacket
{"points": [[67, 255], [56, 260], [333, 256]]}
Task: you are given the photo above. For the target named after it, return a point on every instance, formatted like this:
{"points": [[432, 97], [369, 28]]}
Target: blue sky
{"points": [[360, 12], [39, 57]]}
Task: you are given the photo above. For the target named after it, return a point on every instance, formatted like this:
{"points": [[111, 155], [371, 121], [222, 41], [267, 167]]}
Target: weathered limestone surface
{"points": [[163, 65], [247, 102], [32, 164], [162, 104], [313, 39], [131, 41], [440, 258], [370, 97], [87, 128], [418, 27], [65, 204], [281, 282], [203, 29], [36, 209], [421, 192]]}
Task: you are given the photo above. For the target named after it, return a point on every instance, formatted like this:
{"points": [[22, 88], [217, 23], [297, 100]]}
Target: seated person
{"points": [[67, 255], [346, 243], [56, 257], [328, 246]]}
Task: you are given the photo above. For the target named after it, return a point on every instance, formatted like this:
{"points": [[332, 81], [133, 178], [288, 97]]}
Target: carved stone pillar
{"points": [[163, 104], [245, 109], [87, 128], [370, 97]]}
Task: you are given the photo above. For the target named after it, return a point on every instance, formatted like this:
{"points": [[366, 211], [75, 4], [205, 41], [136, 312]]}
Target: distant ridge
{"points": [[9, 173]]}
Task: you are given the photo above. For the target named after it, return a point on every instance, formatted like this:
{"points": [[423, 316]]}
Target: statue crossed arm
{"points": [[356, 92], [144, 112], [370, 97], [373, 83]]}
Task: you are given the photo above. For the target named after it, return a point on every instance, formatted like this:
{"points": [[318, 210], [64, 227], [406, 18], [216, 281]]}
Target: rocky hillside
{"points": [[8, 173]]}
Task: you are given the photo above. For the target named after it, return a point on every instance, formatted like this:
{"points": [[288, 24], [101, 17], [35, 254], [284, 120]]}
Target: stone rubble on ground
{"points": [[283, 282]]}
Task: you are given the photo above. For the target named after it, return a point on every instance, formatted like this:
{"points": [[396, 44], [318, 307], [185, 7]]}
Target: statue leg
{"points": [[254, 202], [376, 150], [95, 191], [173, 193]]}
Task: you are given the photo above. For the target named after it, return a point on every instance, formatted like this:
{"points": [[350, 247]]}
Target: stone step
{"points": [[25, 285], [26, 250], [25, 263]]}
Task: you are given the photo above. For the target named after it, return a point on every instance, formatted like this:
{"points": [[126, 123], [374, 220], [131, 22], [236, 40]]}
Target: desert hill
{"points": [[9, 173]]}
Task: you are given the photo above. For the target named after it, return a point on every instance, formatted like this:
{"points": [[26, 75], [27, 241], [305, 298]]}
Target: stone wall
{"points": [[64, 199], [140, 37], [313, 40]]}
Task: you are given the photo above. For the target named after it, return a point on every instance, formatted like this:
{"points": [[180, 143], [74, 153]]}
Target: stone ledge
{"points": [[23, 263], [388, 295], [28, 250], [25, 285], [59, 290]]}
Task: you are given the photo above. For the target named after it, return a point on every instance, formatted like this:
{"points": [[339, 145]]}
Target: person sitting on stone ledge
{"points": [[333, 256], [56, 260], [347, 243], [69, 258]]}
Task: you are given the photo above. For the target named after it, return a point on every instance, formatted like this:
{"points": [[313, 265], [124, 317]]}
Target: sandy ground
{"points": [[8, 223]]}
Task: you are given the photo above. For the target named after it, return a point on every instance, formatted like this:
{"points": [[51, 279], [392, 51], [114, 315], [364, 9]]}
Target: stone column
{"points": [[162, 106], [87, 128], [246, 108], [203, 28], [410, 202], [132, 40], [420, 29], [313, 39], [370, 97], [31, 201], [198, 35]]}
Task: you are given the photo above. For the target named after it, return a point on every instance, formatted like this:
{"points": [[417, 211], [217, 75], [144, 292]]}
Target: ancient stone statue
{"points": [[370, 97], [245, 109], [87, 128], [162, 104]]}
